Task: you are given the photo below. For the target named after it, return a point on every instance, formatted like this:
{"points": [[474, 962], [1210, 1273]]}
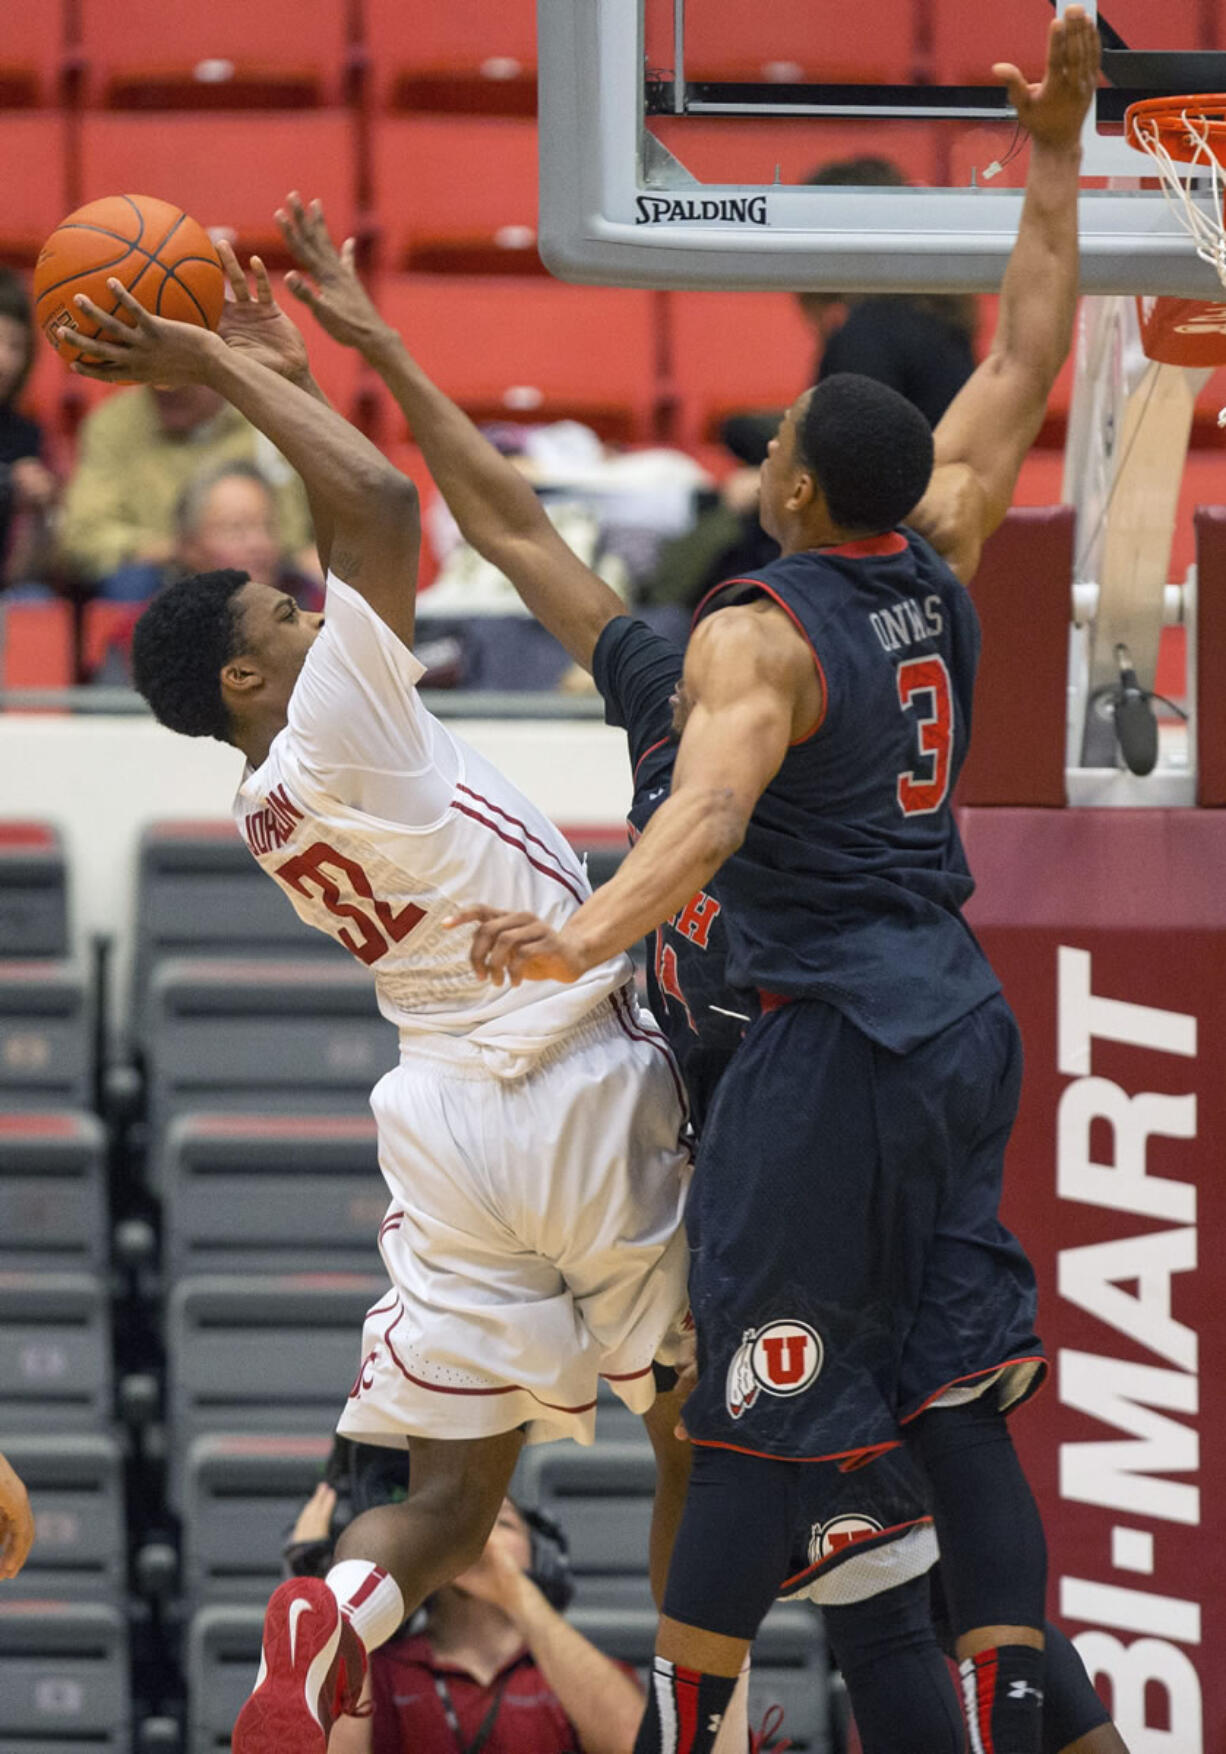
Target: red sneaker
{"points": [[311, 1672]]}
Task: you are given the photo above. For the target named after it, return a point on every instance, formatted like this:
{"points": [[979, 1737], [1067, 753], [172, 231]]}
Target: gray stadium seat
{"points": [[76, 1492], [272, 1354], [241, 1495], [64, 1685], [223, 1655], [200, 893], [55, 1353], [789, 1664], [46, 1045], [270, 1193], [33, 891], [280, 1037], [52, 1191], [602, 1497]]}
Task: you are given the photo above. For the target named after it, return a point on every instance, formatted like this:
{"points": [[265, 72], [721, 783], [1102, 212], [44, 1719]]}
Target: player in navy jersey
{"points": [[851, 1282]]}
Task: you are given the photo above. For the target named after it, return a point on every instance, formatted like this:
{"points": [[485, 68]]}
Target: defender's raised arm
{"points": [[982, 441], [495, 508]]}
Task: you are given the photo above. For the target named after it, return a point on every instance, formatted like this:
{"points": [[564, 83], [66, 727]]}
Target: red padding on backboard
{"points": [[1183, 331], [1211, 656], [1023, 594]]}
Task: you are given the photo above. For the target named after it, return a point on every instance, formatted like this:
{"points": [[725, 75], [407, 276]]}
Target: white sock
{"points": [[369, 1599]]}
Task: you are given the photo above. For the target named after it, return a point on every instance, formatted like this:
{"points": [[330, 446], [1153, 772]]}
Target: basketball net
{"points": [[1183, 140]]}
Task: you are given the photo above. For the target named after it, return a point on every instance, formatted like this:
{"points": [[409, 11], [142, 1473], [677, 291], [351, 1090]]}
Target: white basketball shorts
{"points": [[534, 1241]]}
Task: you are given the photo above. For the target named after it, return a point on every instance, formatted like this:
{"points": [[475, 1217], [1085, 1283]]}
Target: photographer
{"points": [[493, 1667]]}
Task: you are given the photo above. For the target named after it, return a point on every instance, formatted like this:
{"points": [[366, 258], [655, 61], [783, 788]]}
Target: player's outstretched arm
{"points": [[372, 507], [751, 691], [495, 508], [985, 434], [16, 1522]]}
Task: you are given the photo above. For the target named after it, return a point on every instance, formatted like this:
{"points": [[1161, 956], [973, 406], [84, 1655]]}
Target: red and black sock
{"points": [[684, 1711], [1002, 1694]]}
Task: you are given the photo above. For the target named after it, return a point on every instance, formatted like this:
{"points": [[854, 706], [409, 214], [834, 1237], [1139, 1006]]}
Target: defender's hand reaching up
{"points": [[1053, 111], [325, 279], [152, 350], [254, 323]]}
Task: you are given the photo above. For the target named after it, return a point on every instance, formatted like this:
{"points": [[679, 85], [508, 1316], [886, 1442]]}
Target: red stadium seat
{"points": [[1041, 479], [226, 170], [464, 55], [532, 349], [229, 54], [737, 350], [35, 196], [31, 51], [792, 40], [749, 151], [106, 628], [967, 37], [36, 645], [457, 196]]}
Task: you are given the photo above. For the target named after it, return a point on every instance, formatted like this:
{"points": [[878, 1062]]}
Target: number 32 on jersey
{"points": [[924, 693]]}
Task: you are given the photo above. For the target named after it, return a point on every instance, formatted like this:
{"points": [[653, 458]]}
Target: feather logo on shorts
{"points": [[782, 1358]]}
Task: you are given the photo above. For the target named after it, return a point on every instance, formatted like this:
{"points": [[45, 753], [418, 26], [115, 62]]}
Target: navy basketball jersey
{"points": [[637, 672], [850, 883]]}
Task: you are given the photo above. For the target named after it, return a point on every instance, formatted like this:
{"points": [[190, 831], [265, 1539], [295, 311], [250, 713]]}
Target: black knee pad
{"points": [[734, 1543]]}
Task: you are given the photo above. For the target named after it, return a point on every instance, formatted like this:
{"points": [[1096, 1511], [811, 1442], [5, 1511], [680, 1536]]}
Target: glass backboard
{"points": [[677, 138]]}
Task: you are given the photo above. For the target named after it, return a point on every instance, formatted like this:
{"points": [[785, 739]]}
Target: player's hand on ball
{"points": [[1052, 112], [254, 324], [325, 279], [517, 947], [149, 350]]}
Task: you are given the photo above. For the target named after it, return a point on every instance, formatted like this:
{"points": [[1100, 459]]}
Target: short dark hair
{"points": [[179, 645], [15, 303], [866, 171], [869, 448]]}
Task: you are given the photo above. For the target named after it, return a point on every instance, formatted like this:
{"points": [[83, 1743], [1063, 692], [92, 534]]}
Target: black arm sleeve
{"points": [[637, 672]]}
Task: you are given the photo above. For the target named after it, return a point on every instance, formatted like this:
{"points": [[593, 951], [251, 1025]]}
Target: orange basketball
{"points": [[161, 255]]}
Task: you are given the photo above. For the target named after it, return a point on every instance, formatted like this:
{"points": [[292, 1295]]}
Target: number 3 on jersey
{"points": [[923, 789]]}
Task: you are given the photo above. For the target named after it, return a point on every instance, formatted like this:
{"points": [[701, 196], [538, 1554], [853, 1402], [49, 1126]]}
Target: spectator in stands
{"points": [[28, 489], [139, 450], [17, 1528], [920, 344], [493, 1664], [226, 516]]}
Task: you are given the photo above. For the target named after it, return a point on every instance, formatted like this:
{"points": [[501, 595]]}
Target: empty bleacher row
{"points": [[172, 1413]]}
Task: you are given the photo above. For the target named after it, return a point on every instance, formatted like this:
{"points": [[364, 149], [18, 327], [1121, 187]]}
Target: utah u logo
{"points": [[782, 1358], [785, 1358]]}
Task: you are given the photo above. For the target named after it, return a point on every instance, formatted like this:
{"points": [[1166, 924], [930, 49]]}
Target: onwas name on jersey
{"points": [[267, 829], [908, 623]]}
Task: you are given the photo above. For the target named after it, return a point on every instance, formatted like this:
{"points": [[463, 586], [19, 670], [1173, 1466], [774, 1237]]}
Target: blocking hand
{"points": [[325, 279], [1053, 111]]}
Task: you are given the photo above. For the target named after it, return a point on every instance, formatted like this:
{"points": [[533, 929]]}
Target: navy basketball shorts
{"points": [[848, 1268]]}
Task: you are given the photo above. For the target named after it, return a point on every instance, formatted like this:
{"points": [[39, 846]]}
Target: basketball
{"points": [[159, 252]]}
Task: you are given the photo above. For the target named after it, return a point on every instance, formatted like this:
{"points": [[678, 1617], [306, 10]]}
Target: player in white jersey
{"points": [[530, 1138]]}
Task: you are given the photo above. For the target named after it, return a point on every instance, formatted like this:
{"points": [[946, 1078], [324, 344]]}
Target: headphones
{"points": [[549, 1564], [375, 1475]]}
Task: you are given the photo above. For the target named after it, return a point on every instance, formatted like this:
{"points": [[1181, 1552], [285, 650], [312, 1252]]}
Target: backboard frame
{"points": [[617, 208]]}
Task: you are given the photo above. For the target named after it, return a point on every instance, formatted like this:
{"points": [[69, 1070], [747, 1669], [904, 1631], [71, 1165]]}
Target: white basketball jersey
{"points": [[379, 824]]}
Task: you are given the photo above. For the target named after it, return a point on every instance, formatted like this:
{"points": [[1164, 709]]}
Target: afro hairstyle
{"points": [[187, 634]]}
